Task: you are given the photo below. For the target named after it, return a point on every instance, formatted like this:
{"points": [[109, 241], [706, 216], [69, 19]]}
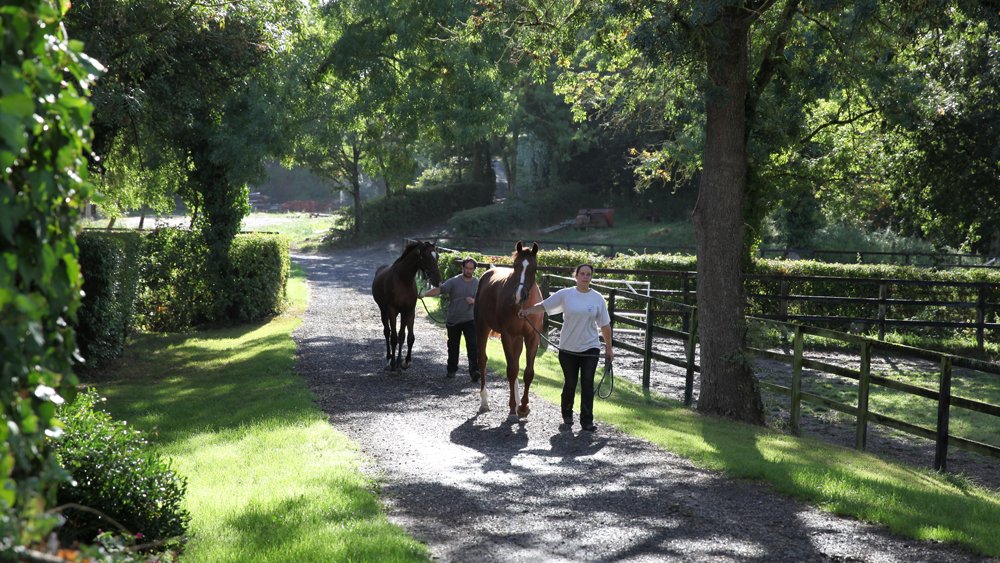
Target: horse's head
{"points": [[428, 263], [525, 264]]}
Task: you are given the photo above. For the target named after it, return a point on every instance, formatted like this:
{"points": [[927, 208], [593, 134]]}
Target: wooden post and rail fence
{"points": [[656, 307]]}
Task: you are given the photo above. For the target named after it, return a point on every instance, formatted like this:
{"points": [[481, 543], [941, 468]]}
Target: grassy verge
{"points": [[268, 478], [912, 502]]}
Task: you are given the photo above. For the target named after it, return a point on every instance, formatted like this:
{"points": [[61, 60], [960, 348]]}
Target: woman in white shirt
{"points": [[584, 312]]}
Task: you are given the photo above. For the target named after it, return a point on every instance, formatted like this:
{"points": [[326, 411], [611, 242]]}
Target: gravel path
{"points": [[477, 488]]}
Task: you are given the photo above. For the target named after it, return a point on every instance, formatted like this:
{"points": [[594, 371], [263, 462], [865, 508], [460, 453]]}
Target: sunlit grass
{"points": [[268, 478], [913, 502]]}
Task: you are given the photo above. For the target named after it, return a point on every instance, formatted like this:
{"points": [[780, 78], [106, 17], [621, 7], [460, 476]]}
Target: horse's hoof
{"points": [[512, 417], [484, 408], [405, 365], [523, 411]]}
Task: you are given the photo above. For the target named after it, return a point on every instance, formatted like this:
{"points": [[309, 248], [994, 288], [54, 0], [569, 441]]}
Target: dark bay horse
{"points": [[502, 293], [395, 291]]}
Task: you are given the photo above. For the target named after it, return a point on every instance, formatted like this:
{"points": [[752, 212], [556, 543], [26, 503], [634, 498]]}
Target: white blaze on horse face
{"points": [[520, 283]]}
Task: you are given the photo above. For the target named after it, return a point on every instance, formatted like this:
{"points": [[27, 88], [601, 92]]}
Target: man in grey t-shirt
{"points": [[461, 291]]}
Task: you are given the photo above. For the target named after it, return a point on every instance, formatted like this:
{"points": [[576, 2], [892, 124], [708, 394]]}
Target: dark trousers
{"points": [[455, 333], [581, 365]]}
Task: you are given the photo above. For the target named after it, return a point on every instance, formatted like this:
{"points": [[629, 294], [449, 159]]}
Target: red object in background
{"points": [[595, 218]]}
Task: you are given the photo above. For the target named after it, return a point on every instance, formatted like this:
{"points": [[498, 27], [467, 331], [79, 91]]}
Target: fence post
{"points": [[883, 294], [685, 325], [944, 409], [611, 308], [691, 343], [861, 436], [647, 347], [980, 315], [796, 402]]}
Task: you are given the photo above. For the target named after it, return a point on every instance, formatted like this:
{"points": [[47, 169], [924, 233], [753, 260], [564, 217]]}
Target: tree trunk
{"points": [[728, 385]]}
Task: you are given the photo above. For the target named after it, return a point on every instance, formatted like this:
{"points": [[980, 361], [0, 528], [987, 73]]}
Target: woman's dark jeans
{"points": [[580, 366]]}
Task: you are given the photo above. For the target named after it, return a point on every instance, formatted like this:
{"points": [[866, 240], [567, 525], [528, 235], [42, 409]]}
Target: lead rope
{"points": [[420, 289]]}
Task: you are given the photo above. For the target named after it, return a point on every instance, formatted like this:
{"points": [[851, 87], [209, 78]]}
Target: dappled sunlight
{"points": [[317, 508]]}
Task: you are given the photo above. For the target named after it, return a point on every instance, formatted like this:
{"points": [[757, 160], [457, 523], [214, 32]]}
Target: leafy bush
{"points": [[44, 133], [109, 263], [261, 265], [115, 473], [175, 294]]}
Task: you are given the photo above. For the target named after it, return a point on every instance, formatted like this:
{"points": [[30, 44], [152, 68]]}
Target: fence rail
{"points": [[783, 302], [863, 413]]}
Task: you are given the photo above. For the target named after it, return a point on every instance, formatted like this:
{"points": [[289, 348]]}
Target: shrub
{"points": [[260, 266], [109, 263], [175, 294], [116, 473]]}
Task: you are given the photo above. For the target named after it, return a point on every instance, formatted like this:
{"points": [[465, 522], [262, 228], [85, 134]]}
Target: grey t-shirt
{"points": [[457, 289]]}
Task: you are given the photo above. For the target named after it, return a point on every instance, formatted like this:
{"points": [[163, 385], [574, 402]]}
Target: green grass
{"points": [[630, 230], [268, 478], [912, 502]]}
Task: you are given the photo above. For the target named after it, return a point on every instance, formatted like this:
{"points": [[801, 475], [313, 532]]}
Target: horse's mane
{"points": [[409, 248]]}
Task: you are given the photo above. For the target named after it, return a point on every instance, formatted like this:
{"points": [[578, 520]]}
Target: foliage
{"points": [[110, 266], [261, 264], [553, 205], [174, 293], [422, 207], [194, 89], [116, 473], [44, 130]]}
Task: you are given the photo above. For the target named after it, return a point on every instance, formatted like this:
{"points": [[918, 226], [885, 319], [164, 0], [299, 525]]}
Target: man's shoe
{"points": [[589, 427], [450, 375], [568, 420]]}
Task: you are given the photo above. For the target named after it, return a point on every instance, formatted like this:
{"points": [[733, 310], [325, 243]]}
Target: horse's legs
{"points": [[512, 346], [407, 327], [482, 337], [394, 356], [531, 341], [388, 341]]}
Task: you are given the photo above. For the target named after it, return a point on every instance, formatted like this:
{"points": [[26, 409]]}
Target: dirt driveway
{"points": [[477, 488]]}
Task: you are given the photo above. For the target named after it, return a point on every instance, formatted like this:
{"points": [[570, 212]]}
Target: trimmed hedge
{"points": [[175, 294], [155, 281], [109, 262], [116, 473], [261, 265]]}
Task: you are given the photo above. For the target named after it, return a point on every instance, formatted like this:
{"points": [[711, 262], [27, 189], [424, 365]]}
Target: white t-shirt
{"points": [[583, 314]]}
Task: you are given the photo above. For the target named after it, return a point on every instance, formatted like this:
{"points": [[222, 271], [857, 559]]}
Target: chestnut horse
{"points": [[502, 292], [395, 291]]}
